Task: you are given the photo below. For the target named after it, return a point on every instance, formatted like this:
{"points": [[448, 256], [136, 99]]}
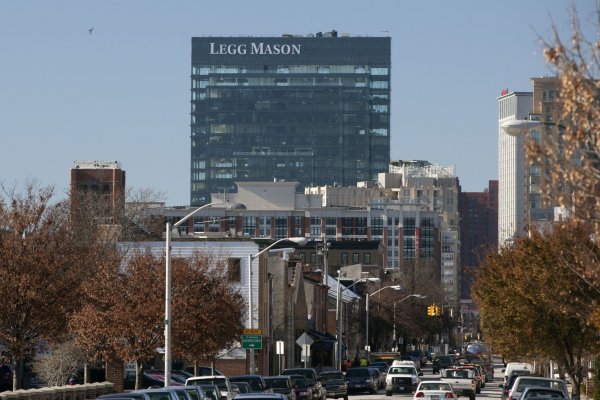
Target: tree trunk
{"points": [[139, 374], [86, 370], [17, 373]]}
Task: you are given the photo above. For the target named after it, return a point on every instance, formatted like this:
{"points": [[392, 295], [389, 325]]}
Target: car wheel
{"points": [[345, 397], [471, 397], [388, 393]]}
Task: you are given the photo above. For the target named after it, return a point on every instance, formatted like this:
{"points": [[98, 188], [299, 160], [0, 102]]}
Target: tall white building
{"points": [[512, 195]]}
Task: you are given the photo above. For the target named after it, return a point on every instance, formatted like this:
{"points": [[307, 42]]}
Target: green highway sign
{"points": [[252, 342]]}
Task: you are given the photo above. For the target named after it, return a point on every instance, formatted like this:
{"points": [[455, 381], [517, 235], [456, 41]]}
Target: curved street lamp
{"points": [[300, 242], [418, 296], [395, 287], [168, 274], [338, 314]]}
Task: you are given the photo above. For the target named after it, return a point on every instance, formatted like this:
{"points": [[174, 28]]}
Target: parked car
{"points": [[430, 390], [383, 368], [195, 392], [155, 377], [335, 384], [301, 387], [360, 380], [523, 382], [161, 393], [203, 370], [257, 383], [243, 387], [534, 392], [317, 390], [124, 396], [221, 381], [282, 384], [507, 385], [211, 391], [260, 396], [510, 367]]}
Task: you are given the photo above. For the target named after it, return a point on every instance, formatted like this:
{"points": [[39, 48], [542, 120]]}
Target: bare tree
{"points": [[208, 310], [122, 315], [570, 157], [42, 265], [60, 363]]}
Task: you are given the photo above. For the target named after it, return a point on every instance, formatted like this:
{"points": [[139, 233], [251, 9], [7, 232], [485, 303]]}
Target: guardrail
{"points": [[88, 391]]}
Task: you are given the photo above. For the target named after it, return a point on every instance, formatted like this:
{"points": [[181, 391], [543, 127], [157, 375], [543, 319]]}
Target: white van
{"points": [[516, 368]]}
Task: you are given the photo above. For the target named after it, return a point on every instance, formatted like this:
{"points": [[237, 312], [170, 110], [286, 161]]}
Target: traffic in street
{"points": [[491, 390]]}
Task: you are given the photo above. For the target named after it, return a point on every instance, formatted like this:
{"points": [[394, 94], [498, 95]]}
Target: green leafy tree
{"points": [[528, 294]]}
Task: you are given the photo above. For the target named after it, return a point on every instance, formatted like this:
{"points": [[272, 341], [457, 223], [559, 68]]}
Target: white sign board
{"points": [[304, 339]]}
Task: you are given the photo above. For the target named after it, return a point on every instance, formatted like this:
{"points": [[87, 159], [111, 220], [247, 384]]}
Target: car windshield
{"points": [[332, 376], [279, 383], [435, 386], [299, 381], [181, 394], [457, 374], [526, 382], [402, 370], [531, 393], [211, 393], [193, 393], [158, 395], [307, 373], [356, 372], [255, 384]]}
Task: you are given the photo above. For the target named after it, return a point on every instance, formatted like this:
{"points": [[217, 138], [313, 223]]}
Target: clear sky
{"points": [[122, 93]]}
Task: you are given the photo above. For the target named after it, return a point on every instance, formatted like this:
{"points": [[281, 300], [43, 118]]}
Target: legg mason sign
{"points": [[259, 48]]}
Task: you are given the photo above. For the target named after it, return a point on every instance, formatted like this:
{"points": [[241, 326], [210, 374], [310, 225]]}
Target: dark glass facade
{"points": [[309, 109]]}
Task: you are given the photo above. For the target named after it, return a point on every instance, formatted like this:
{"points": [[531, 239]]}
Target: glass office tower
{"points": [[313, 109]]}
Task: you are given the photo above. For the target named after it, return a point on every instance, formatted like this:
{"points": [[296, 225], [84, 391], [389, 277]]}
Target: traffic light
{"points": [[431, 310], [437, 311]]}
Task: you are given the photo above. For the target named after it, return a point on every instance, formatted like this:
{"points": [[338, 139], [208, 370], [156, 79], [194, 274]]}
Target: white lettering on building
{"points": [[260, 48]]}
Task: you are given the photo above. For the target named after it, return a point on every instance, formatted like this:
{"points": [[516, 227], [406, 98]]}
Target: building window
{"points": [[379, 71], [355, 258], [234, 270], [367, 258], [344, 258]]}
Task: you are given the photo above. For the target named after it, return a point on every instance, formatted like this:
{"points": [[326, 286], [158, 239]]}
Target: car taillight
{"points": [[420, 394], [449, 395], [510, 398]]}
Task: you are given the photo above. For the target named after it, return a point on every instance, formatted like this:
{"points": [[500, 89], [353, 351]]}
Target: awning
{"points": [[322, 340]]}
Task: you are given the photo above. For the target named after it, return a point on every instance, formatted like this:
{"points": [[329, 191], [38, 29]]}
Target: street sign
{"points": [[304, 339], [252, 342], [252, 332]]}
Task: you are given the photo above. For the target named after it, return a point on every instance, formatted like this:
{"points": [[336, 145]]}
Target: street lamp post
{"points": [[299, 241], [338, 315], [418, 296], [168, 281], [395, 287]]}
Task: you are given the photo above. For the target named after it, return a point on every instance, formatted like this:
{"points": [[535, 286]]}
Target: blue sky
{"points": [[122, 93]]}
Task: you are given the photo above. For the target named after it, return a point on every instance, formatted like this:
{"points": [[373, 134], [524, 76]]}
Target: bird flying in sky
{"points": [[91, 30]]}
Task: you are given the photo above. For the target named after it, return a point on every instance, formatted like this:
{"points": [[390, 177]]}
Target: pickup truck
{"points": [[463, 381]]}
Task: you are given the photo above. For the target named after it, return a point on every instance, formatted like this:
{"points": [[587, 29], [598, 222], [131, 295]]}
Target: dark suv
{"points": [[443, 362], [257, 383], [318, 391], [360, 380]]}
